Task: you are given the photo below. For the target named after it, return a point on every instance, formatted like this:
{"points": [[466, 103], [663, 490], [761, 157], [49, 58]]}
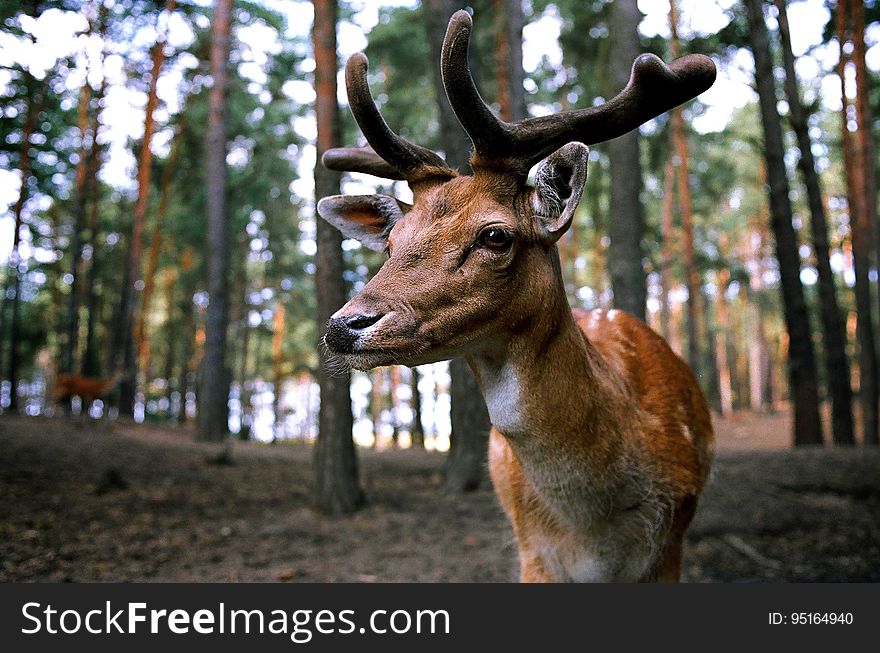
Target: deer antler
{"points": [[653, 89], [390, 155]]}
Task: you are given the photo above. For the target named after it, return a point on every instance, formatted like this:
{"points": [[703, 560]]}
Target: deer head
{"points": [[473, 260]]}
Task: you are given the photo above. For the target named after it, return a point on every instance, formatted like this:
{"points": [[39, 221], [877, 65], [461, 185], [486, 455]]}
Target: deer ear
{"points": [[559, 182], [367, 218]]}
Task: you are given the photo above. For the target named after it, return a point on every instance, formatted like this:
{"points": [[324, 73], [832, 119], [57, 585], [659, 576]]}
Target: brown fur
{"points": [[602, 439], [87, 388]]}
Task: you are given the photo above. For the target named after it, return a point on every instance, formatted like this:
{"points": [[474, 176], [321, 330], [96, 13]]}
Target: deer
{"points": [[601, 438], [87, 388]]}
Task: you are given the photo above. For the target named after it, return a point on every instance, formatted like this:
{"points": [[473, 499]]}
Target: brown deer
{"points": [[601, 438], [87, 388]]}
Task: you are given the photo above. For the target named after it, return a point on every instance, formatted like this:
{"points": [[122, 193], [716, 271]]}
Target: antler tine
{"points": [[360, 159], [653, 89], [488, 133], [408, 161]]}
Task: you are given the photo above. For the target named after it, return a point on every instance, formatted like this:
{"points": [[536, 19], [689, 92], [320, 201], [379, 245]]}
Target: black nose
{"points": [[343, 332]]}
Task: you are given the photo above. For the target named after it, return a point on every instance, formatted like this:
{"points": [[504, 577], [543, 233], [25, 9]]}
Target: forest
{"points": [[168, 408]]}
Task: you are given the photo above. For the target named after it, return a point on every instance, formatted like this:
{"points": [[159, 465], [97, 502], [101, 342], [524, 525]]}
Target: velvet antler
{"points": [[653, 89]]}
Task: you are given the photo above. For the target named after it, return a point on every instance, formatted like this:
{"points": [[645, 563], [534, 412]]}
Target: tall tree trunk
{"points": [[464, 467], [801, 359], [667, 255], [277, 368], [155, 249], [861, 226], [627, 225], [867, 161], [126, 357], [244, 370], [172, 334], [508, 59], [337, 484], [91, 365], [760, 385], [34, 103], [417, 431], [393, 387], [377, 382], [836, 362], [722, 329], [79, 214], [214, 387], [187, 348], [593, 191], [685, 204]]}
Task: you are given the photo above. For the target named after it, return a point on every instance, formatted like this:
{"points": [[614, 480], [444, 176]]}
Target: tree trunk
{"points": [[337, 487], [155, 249], [722, 328], [759, 351], [667, 256], [866, 160], [377, 377], [90, 365], [508, 59], [685, 204], [626, 226], [801, 359], [393, 387], [464, 468], [861, 229], [172, 333], [836, 362], [34, 103], [187, 348], [79, 214], [127, 362], [214, 387], [277, 368], [416, 430]]}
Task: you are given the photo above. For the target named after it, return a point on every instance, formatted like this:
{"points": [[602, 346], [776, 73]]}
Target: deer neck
{"points": [[557, 401]]}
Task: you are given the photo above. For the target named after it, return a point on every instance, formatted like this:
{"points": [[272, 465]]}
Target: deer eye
{"points": [[495, 238]]}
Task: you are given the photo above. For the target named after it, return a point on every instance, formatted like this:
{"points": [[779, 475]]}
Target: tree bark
{"points": [[722, 323], [417, 431], [337, 487], [508, 59], [627, 226], [277, 368], [187, 347], [464, 468], [34, 103], [214, 388], [90, 364], [155, 249], [667, 255], [79, 210], [126, 357], [861, 227], [760, 383], [867, 161], [393, 387], [836, 362], [801, 359], [685, 203], [377, 382]]}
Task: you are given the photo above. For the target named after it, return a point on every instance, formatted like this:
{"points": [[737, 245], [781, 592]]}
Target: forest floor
{"points": [[100, 501]]}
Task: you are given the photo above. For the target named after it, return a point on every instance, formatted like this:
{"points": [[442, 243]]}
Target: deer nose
{"points": [[343, 332]]}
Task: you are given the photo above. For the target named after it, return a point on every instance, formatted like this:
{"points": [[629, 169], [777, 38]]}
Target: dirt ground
{"points": [[90, 501]]}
